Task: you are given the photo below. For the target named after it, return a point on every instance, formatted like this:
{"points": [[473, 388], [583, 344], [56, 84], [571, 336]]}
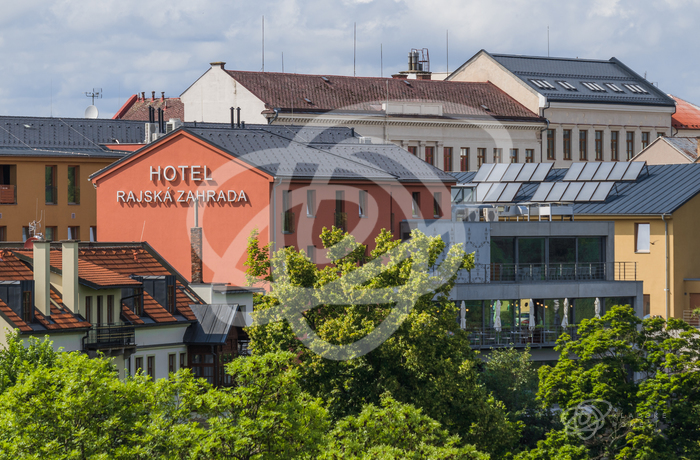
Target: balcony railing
{"points": [[287, 222], [111, 336], [529, 273], [540, 337], [51, 194], [73, 195], [8, 194], [341, 220]]}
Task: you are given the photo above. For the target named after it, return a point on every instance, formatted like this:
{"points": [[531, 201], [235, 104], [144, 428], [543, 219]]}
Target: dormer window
{"points": [[543, 84], [27, 306], [614, 87], [593, 86], [567, 86], [635, 89]]}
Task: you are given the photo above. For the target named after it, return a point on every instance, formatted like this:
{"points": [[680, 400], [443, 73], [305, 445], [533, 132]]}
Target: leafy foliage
{"points": [[17, 357]]}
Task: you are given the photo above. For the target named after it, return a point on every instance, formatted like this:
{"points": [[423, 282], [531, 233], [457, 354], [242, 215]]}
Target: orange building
{"points": [[206, 189]]}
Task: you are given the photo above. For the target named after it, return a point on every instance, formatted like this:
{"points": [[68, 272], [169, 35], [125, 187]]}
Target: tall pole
{"points": [[263, 43], [447, 53], [547, 41], [381, 60], [354, 49]]}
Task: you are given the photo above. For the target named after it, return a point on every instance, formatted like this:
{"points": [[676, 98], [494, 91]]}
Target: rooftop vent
{"points": [[325, 79], [408, 83], [308, 100]]}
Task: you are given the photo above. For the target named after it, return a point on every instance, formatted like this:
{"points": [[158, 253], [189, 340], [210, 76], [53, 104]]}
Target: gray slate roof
{"points": [[575, 71], [665, 189], [213, 324]]}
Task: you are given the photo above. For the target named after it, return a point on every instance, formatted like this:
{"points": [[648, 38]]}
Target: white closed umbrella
{"points": [[497, 316], [463, 316], [565, 321], [597, 307], [556, 305], [531, 322]]}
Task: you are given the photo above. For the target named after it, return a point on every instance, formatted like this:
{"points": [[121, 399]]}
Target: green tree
{"points": [[394, 431], [264, 415], [426, 362], [641, 376], [16, 357]]}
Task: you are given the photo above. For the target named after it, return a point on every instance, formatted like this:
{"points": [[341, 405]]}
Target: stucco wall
{"points": [[660, 153], [685, 255]]}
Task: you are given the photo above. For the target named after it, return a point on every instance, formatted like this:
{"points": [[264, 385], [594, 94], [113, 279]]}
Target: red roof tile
{"points": [[61, 318], [289, 91], [14, 318], [137, 109], [13, 269], [687, 115]]}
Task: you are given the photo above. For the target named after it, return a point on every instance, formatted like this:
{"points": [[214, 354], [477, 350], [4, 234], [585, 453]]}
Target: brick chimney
{"points": [[69, 268], [162, 95], [42, 276], [153, 95], [143, 95]]}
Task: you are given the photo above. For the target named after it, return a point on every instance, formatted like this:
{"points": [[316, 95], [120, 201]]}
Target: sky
{"points": [[53, 52]]}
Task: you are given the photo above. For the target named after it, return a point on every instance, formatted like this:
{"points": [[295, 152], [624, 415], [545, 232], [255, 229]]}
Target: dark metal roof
{"points": [[576, 71], [60, 152], [213, 324], [663, 190]]}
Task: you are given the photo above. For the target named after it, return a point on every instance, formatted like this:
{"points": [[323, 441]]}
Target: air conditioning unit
{"points": [[172, 125], [461, 214], [490, 214], [365, 140], [473, 215], [151, 132]]}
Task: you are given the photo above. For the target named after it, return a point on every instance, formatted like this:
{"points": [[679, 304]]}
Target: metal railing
{"points": [[110, 336], [8, 194], [287, 222], [524, 273], [540, 337], [73, 195], [690, 318], [340, 220]]}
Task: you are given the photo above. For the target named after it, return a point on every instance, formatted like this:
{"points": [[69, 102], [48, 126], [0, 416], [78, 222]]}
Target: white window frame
{"points": [[311, 203], [642, 237]]}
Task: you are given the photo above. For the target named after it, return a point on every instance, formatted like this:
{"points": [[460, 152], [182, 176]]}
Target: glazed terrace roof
{"points": [[659, 189], [589, 80], [333, 93]]}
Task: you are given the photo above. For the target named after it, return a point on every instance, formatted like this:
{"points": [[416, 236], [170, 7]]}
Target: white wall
{"points": [[159, 342]]}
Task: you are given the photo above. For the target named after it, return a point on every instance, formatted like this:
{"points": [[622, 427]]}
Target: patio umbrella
{"points": [[565, 321], [497, 316], [463, 316], [531, 321], [597, 307], [556, 305]]}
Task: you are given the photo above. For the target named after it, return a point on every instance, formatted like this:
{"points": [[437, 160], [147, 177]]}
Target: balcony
{"points": [[288, 222], [73, 195], [532, 273], [340, 220], [110, 336], [518, 337], [8, 194]]}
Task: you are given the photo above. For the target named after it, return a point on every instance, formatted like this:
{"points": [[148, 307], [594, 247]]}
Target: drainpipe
{"points": [[273, 237], [667, 290], [272, 120], [541, 131]]}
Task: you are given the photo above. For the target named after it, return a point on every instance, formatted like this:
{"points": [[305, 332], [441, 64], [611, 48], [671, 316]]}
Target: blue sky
{"points": [[53, 52]]}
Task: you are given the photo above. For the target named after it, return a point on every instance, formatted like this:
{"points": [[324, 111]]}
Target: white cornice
{"points": [[611, 107]]}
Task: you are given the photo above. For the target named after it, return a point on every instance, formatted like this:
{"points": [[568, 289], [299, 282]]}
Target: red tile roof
{"points": [[61, 318], [14, 317], [13, 269], [136, 108], [289, 91], [687, 115]]}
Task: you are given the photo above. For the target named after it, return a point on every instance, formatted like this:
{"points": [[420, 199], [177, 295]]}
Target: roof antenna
{"points": [[381, 60], [263, 43], [547, 41], [354, 48], [282, 61], [447, 53]]}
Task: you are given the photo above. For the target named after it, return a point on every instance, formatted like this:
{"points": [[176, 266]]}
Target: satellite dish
{"points": [[91, 112]]}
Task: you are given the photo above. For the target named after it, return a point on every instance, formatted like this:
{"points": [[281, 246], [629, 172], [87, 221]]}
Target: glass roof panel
{"points": [[512, 172], [542, 191], [483, 172], [587, 191], [572, 191], [526, 172]]}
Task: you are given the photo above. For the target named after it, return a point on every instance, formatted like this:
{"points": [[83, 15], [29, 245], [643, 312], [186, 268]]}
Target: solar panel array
{"points": [[605, 171], [513, 172], [572, 191], [501, 192]]}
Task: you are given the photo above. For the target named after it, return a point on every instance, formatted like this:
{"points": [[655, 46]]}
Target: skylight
{"points": [[568, 86], [325, 79], [635, 88], [307, 100], [614, 87], [593, 86], [543, 84]]}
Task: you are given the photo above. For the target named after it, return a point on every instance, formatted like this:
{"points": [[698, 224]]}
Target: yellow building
{"points": [[44, 169]]}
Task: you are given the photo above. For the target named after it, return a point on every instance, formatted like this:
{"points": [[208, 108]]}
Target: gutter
{"points": [[667, 290]]}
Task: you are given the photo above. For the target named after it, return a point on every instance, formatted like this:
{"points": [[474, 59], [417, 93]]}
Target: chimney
{"points": [[196, 254], [153, 95], [162, 95], [42, 276], [218, 64], [143, 95], [69, 268]]}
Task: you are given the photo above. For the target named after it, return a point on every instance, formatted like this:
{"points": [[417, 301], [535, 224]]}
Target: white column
{"points": [[42, 276]]}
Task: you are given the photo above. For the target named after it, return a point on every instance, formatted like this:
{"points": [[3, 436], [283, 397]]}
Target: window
{"points": [[363, 203], [25, 234], [74, 233], [480, 157], [447, 154], [614, 149], [99, 310], [110, 309], [497, 155], [583, 145], [413, 150], [415, 204], [636, 89], [614, 87], [50, 182], [340, 216], [513, 155], [170, 298], [660, 134], [151, 367], [645, 140], [93, 234], [88, 309], [27, 306], [593, 87], [73, 184], [437, 209], [429, 155], [567, 144], [630, 144], [287, 214], [51, 234], [310, 203], [311, 253], [647, 305], [543, 84], [8, 184], [642, 237], [529, 155], [551, 155], [599, 145], [567, 86], [138, 365], [171, 363], [464, 159], [183, 360], [3, 233]]}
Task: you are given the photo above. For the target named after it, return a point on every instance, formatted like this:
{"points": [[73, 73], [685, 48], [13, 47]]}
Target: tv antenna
{"points": [[95, 93]]}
